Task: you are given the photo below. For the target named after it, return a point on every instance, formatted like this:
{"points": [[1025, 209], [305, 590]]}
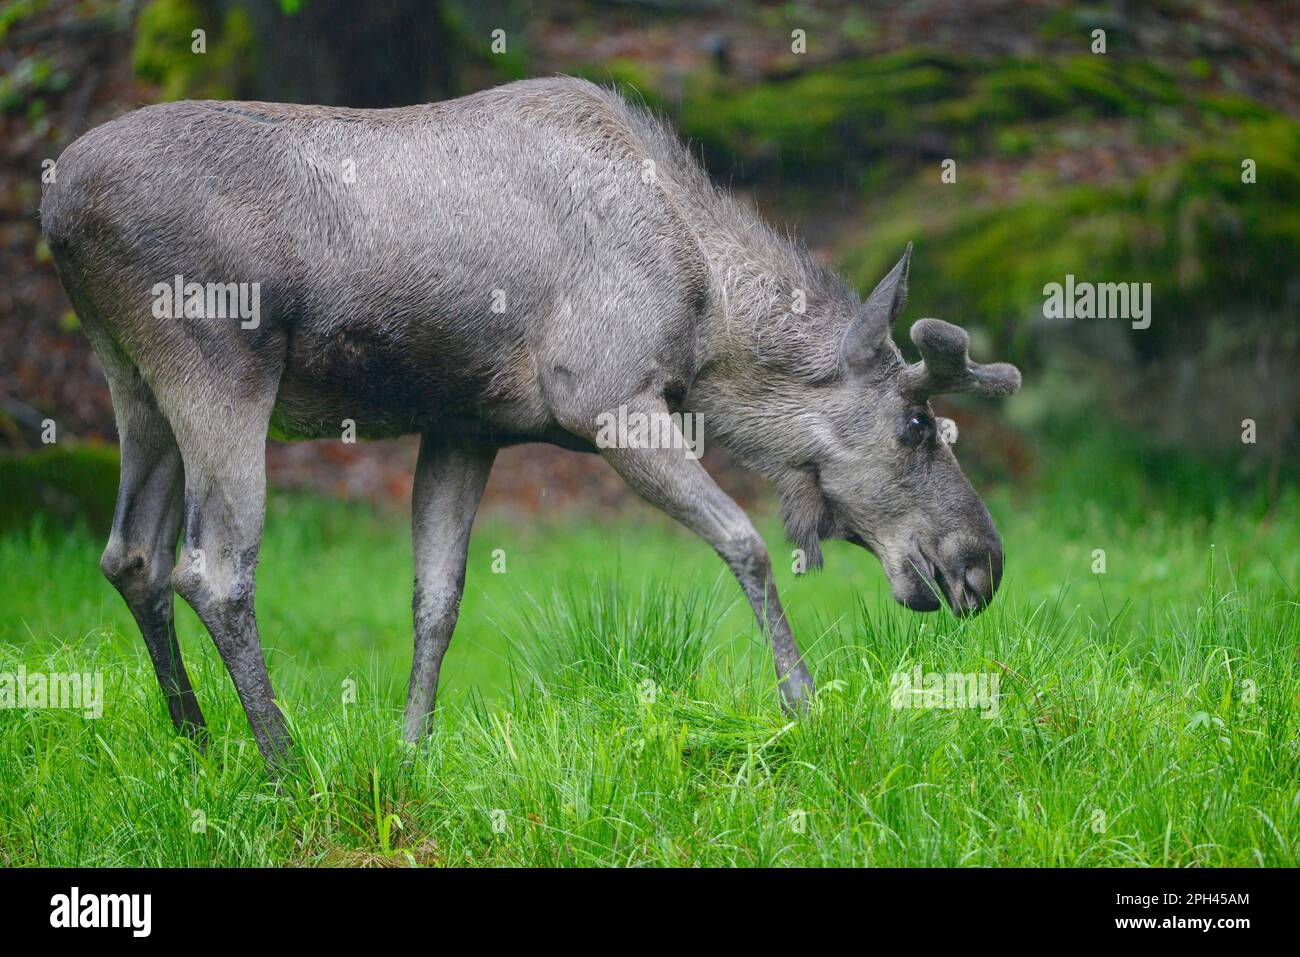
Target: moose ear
{"points": [[871, 326]]}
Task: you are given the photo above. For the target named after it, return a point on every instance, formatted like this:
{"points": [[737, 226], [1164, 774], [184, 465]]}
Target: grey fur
{"points": [[628, 279]]}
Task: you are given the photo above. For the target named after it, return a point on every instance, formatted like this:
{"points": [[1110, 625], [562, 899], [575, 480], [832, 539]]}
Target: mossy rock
{"points": [[820, 117], [843, 114], [1205, 240]]}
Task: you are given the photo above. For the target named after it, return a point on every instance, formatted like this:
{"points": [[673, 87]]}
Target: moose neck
{"points": [[775, 326], [772, 300]]}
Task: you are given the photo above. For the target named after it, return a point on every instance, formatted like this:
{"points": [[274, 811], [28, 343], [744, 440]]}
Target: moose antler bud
{"points": [[946, 366]]}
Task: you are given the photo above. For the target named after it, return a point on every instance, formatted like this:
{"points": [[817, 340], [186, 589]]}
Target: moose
{"points": [[496, 269]]}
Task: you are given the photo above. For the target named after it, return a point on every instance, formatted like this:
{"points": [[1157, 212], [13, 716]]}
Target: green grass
{"points": [[606, 701]]}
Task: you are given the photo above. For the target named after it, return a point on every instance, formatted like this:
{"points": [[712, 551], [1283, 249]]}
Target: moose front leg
{"points": [[680, 486], [449, 481]]}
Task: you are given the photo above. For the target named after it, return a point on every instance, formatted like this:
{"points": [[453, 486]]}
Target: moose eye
{"points": [[918, 428]]}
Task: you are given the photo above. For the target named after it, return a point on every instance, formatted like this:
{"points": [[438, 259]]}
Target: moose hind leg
{"points": [[142, 545], [449, 482], [223, 446]]}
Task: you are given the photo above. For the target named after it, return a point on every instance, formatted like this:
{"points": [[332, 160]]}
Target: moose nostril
{"points": [[976, 564]]}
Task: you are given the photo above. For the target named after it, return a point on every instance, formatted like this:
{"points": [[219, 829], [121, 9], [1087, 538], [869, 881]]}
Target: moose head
{"points": [[878, 469]]}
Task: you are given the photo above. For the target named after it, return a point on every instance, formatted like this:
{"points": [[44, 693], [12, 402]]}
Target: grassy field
{"points": [[606, 701]]}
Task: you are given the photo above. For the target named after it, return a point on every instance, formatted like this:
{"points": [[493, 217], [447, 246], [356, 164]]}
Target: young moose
{"points": [[496, 269]]}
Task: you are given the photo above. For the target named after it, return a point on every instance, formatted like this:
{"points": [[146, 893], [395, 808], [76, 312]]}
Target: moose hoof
{"points": [[797, 692]]}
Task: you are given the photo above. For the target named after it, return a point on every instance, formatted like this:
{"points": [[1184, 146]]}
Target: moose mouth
{"points": [[921, 581]]}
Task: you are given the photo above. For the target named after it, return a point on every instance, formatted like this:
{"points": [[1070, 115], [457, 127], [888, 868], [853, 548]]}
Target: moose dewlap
{"points": [[513, 266]]}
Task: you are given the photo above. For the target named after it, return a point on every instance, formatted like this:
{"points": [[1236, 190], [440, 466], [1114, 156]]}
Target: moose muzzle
{"points": [[969, 570]]}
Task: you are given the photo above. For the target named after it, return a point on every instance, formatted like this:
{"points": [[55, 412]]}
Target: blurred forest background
{"points": [[1125, 166]]}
